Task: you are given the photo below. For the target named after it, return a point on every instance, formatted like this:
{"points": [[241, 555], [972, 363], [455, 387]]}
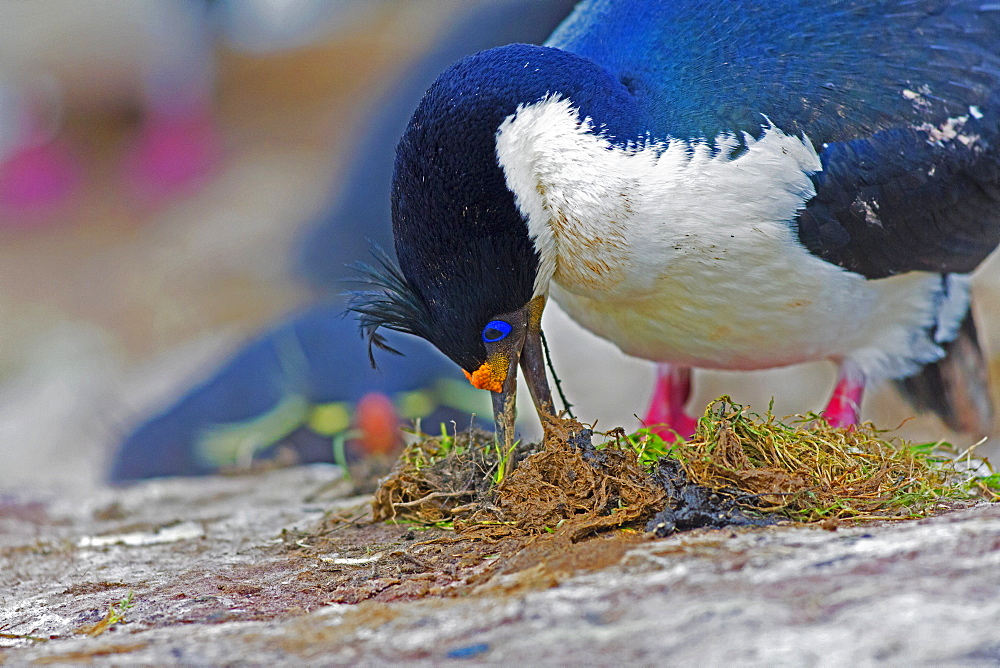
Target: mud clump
{"points": [[692, 506]]}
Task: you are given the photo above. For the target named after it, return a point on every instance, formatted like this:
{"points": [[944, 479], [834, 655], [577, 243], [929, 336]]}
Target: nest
{"points": [[739, 469]]}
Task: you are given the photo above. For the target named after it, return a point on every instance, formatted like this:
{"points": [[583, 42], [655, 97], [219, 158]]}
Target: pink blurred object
{"points": [[36, 182], [172, 156]]}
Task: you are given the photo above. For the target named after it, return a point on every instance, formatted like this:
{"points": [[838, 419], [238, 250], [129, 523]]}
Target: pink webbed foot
{"points": [[173, 155], [844, 408], [666, 416]]}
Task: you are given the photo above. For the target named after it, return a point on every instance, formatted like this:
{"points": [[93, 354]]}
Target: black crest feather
{"points": [[392, 304]]}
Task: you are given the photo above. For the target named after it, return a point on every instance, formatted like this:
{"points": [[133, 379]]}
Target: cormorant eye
{"points": [[496, 330]]}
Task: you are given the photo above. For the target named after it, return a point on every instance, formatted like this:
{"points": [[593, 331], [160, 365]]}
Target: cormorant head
{"points": [[468, 275]]}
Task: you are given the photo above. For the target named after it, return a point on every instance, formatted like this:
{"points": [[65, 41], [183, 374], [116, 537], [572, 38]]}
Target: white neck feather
{"points": [[602, 216]]}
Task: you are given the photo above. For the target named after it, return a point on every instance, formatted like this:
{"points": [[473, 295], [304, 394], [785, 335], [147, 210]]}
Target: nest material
{"points": [[438, 478], [572, 488], [812, 471]]}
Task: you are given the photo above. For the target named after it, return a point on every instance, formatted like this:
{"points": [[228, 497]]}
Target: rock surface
{"points": [[215, 580]]}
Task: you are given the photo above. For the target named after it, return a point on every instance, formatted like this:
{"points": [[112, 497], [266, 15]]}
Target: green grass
{"points": [[503, 465], [431, 450], [114, 615]]}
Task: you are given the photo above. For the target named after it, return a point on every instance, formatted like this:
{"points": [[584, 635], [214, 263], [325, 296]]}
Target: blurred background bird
{"points": [[710, 184]]}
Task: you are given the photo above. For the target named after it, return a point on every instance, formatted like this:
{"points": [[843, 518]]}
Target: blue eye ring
{"points": [[496, 330]]}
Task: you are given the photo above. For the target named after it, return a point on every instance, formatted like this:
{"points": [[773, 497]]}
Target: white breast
{"points": [[677, 252]]}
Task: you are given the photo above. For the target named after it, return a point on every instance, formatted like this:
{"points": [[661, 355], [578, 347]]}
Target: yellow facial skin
{"points": [[535, 308], [491, 375]]}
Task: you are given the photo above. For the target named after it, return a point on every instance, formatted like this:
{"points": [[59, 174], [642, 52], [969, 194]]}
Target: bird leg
{"points": [[666, 416], [844, 408]]}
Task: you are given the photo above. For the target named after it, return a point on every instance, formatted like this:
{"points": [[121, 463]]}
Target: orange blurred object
{"points": [[378, 422]]}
